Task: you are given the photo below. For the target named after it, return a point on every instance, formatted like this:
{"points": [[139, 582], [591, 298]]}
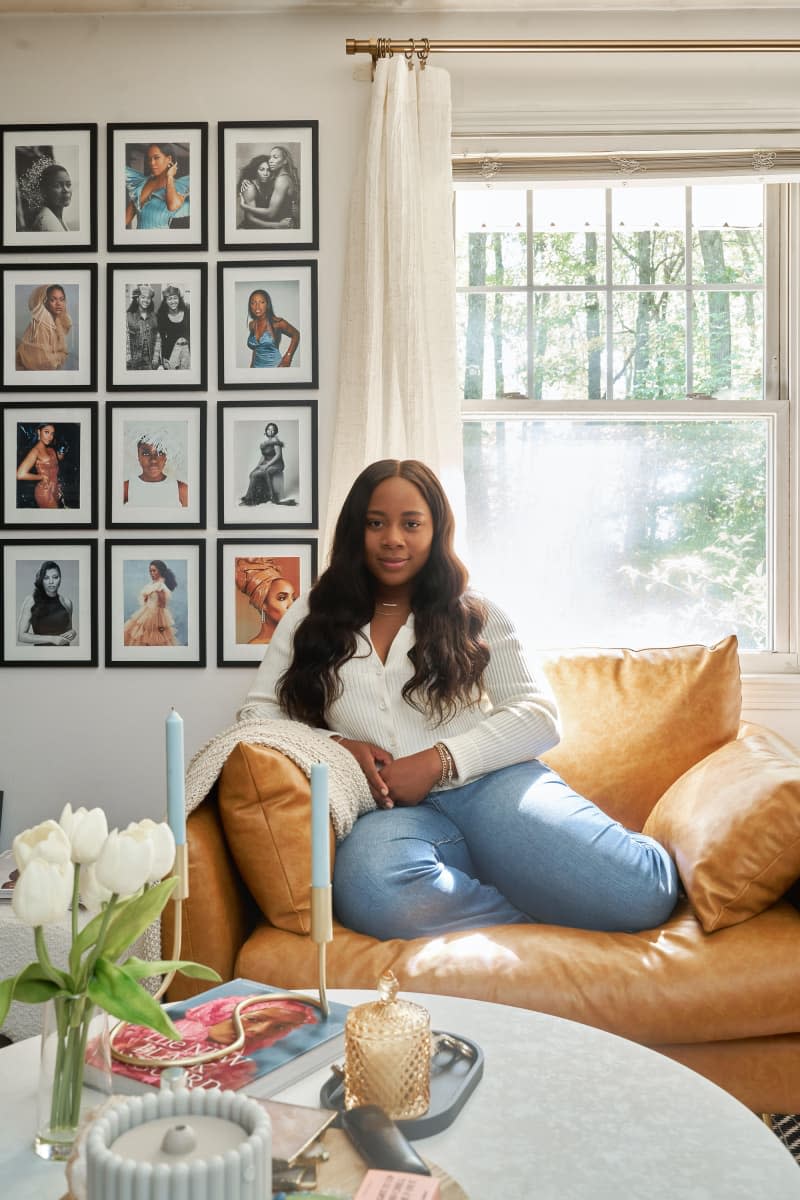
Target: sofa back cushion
{"points": [[634, 720], [732, 824], [265, 809]]}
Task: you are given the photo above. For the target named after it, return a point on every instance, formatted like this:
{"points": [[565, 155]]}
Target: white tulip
{"points": [[43, 891], [93, 894], [163, 843], [87, 830], [47, 841], [125, 863]]}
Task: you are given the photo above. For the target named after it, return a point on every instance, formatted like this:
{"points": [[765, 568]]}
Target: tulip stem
{"points": [[44, 957], [76, 896], [97, 949]]}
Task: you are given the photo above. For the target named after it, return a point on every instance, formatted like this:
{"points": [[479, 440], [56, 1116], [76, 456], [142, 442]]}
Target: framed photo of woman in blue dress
{"points": [[267, 327], [159, 186]]}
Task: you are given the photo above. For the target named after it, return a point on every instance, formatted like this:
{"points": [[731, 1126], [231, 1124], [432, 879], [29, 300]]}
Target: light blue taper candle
{"points": [[176, 801], [320, 817]]}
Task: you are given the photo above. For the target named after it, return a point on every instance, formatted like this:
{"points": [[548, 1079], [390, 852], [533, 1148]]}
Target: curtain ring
{"points": [[385, 48], [423, 52], [409, 54]]}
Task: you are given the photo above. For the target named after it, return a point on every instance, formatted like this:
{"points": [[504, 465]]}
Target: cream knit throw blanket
{"points": [[347, 786]]}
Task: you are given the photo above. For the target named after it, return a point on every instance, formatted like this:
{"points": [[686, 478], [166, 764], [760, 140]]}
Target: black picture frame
{"points": [[246, 176], [76, 562], [291, 285], [127, 144], [127, 563], [28, 155], [246, 590], [185, 367], [242, 495], [32, 346], [66, 500], [179, 432]]}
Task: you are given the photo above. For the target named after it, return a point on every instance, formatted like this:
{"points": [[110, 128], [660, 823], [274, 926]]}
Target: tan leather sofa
{"points": [[655, 738]]}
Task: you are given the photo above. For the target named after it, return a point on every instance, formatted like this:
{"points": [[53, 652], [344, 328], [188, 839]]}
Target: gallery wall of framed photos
{"points": [[109, 435]]}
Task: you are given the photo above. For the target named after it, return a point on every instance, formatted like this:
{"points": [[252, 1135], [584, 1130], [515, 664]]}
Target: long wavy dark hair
{"points": [[450, 654], [42, 603]]}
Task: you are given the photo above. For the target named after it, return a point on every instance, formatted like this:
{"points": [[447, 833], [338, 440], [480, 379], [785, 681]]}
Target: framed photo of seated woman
{"points": [[155, 603], [48, 185], [268, 189], [48, 600], [48, 466], [158, 197], [49, 317], [156, 327], [267, 324], [267, 464], [155, 465], [257, 582]]}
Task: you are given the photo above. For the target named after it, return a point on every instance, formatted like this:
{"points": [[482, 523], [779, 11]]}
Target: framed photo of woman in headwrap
{"points": [[159, 186], [48, 601], [267, 464], [155, 465], [48, 184], [48, 335], [268, 190], [156, 327], [257, 582], [48, 466]]}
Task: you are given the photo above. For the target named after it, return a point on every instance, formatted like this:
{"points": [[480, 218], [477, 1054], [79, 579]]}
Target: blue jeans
{"points": [[517, 845]]}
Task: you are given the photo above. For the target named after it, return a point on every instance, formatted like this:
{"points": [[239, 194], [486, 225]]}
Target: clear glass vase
{"points": [[73, 1030]]}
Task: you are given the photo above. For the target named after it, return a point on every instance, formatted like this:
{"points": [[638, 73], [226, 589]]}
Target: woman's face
{"points": [[258, 305], [262, 171], [276, 158], [280, 598], [145, 301], [271, 430], [398, 534], [46, 434], [173, 301], [157, 160], [57, 192], [56, 301], [154, 572], [51, 581], [151, 460]]}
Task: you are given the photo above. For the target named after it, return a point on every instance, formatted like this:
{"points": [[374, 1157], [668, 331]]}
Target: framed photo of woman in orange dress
{"points": [[48, 466]]}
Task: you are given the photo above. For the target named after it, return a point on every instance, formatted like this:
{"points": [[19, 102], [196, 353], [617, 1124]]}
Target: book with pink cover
{"points": [[286, 1039]]}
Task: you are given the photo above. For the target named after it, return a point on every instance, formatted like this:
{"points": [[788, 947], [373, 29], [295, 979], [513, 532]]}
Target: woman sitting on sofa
{"points": [[425, 684]]}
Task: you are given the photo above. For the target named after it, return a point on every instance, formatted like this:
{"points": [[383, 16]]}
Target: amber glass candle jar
{"points": [[388, 1054]]}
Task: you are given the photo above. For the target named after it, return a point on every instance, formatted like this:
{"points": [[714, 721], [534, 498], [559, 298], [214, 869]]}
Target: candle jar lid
{"points": [[388, 1054], [387, 1016]]}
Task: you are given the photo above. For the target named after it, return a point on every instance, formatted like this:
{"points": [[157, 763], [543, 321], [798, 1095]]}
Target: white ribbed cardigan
{"points": [[512, 722]]}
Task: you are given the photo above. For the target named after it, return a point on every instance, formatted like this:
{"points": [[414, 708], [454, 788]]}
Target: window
{"points": [[626, 437]]}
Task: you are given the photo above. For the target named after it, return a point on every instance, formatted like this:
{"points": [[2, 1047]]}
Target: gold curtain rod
{"points": [[386, 47]]}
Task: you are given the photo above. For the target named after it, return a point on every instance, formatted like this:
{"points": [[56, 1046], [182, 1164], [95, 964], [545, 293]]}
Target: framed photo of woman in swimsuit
{"points": [[155, 465], [257, 582], [48, 466], [48, 600], [48, 185], [156, 327], [155, 603], [267, 464], [267, 324], [49, 316], [158, 196], [268, 189]]}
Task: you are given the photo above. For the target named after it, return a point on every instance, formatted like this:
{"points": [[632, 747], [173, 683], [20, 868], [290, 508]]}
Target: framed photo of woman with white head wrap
{"points": [[48, 184], [155, 465], [156, 327], [49, 321], [257, 582]]}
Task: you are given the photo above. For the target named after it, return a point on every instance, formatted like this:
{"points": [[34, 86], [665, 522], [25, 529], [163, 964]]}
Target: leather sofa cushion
{"points": [[265, 809], [732, 824], [633, 721]]}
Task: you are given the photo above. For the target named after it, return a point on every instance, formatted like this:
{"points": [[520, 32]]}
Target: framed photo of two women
{"points": [[268, 185], [156, 327], [48, 602], [48, 186]]}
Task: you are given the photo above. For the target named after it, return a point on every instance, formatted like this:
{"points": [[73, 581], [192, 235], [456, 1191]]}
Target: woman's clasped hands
{"points": [[395, 781]]}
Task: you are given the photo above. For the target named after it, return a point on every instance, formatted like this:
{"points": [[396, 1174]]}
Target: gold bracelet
{"points": [[446, 759]]}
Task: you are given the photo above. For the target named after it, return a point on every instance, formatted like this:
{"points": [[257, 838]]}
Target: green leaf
{"points": [[86, 938], [113, 989], [6, 996], [32, 985], [139, 968], [133, 916]]}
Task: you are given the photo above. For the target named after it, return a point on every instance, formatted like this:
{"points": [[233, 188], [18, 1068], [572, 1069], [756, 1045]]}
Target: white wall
{"points": [[96, 736]]}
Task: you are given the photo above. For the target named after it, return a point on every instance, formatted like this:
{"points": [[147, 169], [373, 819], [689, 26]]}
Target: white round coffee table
{"points": [[563, 1112]]}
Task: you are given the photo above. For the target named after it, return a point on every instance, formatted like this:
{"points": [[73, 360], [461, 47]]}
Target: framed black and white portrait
{"points": [[268, 189], [155, 603], [48, 467], [258, 580], [48, 598], [48, 183], [267, 464], [158, 186], [155, 464], [267, 324], [49, 315], [156, 327]]}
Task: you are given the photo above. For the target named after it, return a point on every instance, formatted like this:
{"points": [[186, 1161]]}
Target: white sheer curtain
{"points": [[398, 391]]}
